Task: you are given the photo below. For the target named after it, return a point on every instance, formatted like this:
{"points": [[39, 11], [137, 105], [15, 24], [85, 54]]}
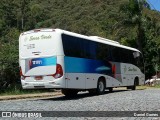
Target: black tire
{"points": [[69, 92], [110, 89], [135, 84], [100, 87]]}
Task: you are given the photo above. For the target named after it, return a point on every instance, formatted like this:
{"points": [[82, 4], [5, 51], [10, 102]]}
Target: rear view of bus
{"points": [[41, 59]]}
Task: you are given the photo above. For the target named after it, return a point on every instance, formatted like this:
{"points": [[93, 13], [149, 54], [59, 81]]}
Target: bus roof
{"points": [[92, 38]]}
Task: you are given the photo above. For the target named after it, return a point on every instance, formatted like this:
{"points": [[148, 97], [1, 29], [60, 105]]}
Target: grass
{"points": [[157, 86], [17, 90], [142, 87], [148, 87]]}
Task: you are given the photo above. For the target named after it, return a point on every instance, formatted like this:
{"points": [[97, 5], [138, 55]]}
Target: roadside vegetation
{"points": [[147, 87], [157, 86], [17, 90], [130, 22]]}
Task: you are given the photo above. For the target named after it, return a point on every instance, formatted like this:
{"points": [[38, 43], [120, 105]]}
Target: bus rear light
{"points": [[21, 74], [114, 70], [59, 72]]}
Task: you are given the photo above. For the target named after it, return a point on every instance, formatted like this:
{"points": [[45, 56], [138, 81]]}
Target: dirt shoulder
{"points": [[24, 96]]}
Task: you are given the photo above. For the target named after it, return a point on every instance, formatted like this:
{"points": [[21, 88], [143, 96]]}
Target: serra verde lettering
{"points": [[42, 37], [129, 69], [132, 69]]}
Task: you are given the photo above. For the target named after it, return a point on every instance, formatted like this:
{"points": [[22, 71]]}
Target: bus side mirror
{"points": [[136, 54]]}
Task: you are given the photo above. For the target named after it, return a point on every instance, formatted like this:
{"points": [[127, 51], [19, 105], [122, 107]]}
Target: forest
{"points": [[130, 22]]}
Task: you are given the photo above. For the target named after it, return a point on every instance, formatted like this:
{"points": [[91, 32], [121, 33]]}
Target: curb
{"points": [[15, 97]]}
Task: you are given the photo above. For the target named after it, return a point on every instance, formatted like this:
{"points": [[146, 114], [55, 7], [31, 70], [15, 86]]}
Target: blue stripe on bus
{"points": [[83, 65], [36, 62]]}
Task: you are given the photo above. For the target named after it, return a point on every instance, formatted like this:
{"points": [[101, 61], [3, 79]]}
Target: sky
{"points": [[154, 4]]}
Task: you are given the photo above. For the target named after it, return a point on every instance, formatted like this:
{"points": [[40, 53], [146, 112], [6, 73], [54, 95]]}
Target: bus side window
{"points": [[125, 56], [116, 56], [89, 49], [103, 52], [73, 46], [108, 53], [131, 58]]}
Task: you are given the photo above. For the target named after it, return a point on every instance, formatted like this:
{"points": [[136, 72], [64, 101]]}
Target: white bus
{"points": [[55, 58]]}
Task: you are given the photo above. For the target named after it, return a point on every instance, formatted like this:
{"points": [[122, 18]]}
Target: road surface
{"points": [[118, 100]]}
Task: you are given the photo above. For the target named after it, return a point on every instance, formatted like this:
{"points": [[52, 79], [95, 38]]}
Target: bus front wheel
{"points": [[136, 82], [100, 87]]}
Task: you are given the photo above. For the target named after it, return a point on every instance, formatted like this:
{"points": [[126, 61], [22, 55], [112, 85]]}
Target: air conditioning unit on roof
{"points": [[101, 38]]}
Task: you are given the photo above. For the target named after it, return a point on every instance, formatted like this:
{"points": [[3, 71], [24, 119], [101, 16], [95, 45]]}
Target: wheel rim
{"points": [[101, 86]]}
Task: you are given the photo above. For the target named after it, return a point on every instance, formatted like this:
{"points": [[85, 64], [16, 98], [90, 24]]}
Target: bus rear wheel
{"points": [[69, 92], [100, 87]]}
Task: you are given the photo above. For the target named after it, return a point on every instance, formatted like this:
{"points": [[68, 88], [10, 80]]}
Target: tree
{"points": [[146, 32], [9, 66], [134, 17]]}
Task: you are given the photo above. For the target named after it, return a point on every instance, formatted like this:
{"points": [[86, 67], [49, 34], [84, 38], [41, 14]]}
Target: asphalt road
{"points": [[119, 100]]}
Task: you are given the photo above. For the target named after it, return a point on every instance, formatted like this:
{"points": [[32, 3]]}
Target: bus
{"points": [[59, 59]]}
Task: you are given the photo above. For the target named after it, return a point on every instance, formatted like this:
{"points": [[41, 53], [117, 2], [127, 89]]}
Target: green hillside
{"points": [[130, 22]]}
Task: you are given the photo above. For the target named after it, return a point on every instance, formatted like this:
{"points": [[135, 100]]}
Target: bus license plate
{"points": [[38, 78]]}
